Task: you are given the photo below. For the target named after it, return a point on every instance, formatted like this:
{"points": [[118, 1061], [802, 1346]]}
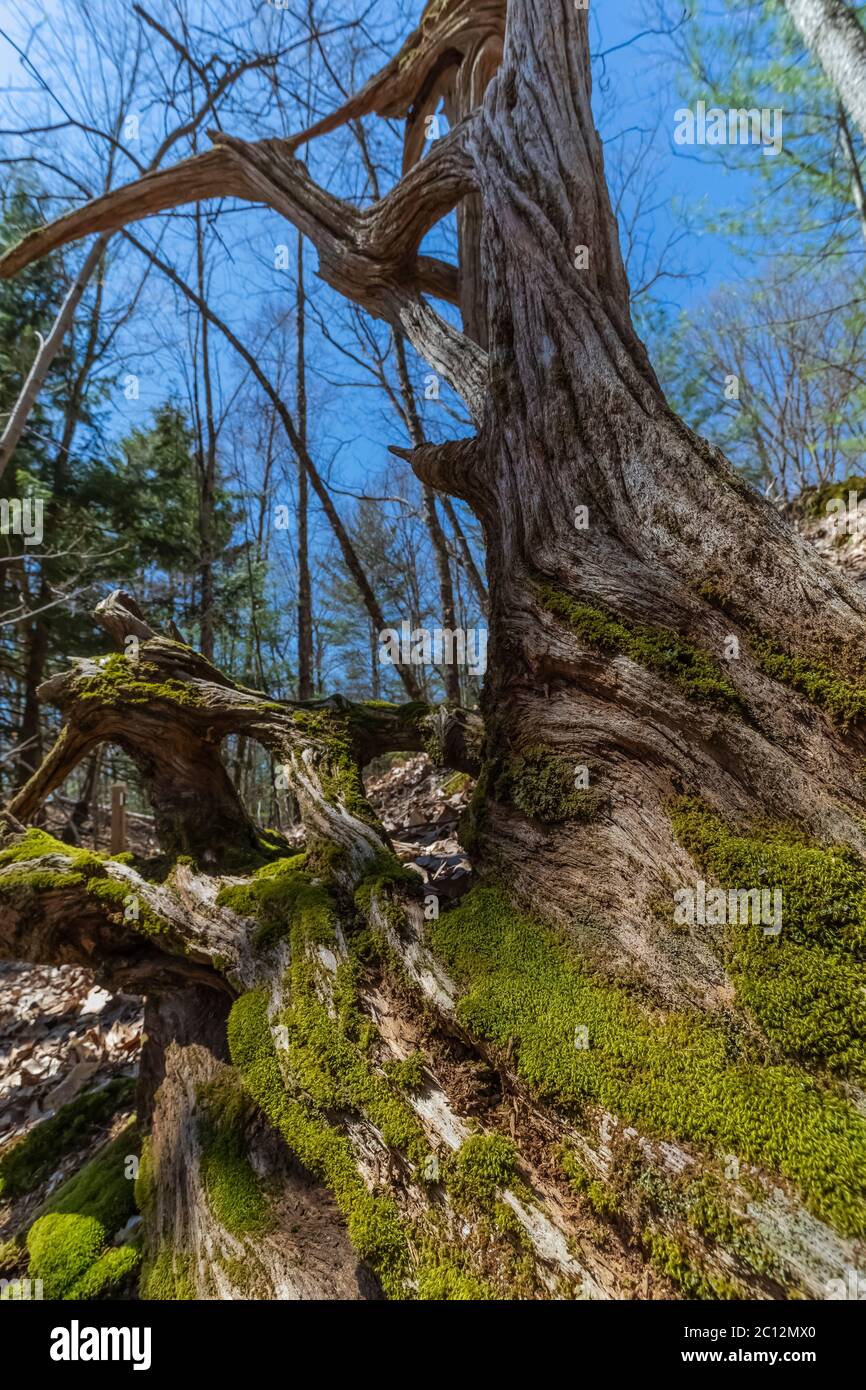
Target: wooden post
{"points": [[118, 817]]}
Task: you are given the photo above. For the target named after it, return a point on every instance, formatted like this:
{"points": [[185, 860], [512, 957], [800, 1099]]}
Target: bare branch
{"points": [[446, 467]]}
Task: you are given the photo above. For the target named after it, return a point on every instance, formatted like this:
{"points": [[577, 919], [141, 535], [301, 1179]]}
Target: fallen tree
{"points": [[560, 1087]]}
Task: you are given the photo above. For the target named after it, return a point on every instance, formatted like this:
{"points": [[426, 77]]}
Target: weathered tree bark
{"points": [[655, 625], [833, 33]]}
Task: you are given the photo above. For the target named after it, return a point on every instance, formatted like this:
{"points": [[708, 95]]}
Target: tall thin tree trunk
{"points": [[416, 434], [49, 349], [837, 40], [207, 467], [305, 591], [431, 516], [858, 191], [30, 729], [467, 558], [341, 535]]}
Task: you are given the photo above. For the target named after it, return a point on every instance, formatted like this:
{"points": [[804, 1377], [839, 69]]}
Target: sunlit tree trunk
{"points": [[836, 38]]}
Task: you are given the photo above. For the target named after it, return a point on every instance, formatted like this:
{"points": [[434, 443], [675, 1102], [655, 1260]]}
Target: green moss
{"points": [[334, 1073], [705, 1208], [408, 1075], [324, 1070], [62, 1248], [27, 1163], [842, 699], [842, 696], [122, 681], [85, 865], [66, 1242], [680, 1077], [337, 765], [542, 787], [374, 1224], [169, 1277], [279, 893], [385, 871], [101, 1188], [112, 891], [145, 1183], [35, 844], [695, 1212], [448, 1280], [37, 881], [482, 1166], [107, 1274], [411, 1259], [459, 782], [325, 1062], [806, 989], [657, 648], [601, 1196], [233, 1190], [824, 886], [352, 1022], [66, 1253], [673, 1259]]}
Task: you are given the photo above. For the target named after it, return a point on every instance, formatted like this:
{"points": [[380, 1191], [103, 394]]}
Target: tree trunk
{"points": [[466, 556], [48, 350], [431, 517], [207, 462], [836, 38], [30, 730], [858, 191], [305, 591]]}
